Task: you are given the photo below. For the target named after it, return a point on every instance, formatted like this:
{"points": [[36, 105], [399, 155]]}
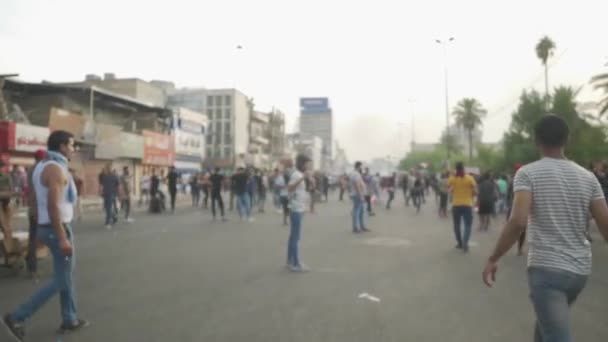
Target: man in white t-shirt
{"points": [[552, 198], [298, 200]]}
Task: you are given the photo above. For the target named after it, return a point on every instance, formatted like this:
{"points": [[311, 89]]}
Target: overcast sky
{"points": [[377, 60]]}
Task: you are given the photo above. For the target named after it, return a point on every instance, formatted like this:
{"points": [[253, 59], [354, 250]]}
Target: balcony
{"points": [[258, 139]]}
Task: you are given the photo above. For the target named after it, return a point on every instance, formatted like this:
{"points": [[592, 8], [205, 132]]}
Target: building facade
{"points": [[316, 120], [188, 130]]}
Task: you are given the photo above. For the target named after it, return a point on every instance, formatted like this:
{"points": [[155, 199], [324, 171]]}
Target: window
{"points": [[209, 152], [227, 113], [209, 139], [218, 100], [210, 101], [218, 113], [218, 128], [226, 127], [227, 152], [228, 100], [210, 114]]}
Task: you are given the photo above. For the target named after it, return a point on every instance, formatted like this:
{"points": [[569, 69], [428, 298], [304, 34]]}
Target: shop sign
{"points": [[30, 138], [187, 143], [158, 149]]}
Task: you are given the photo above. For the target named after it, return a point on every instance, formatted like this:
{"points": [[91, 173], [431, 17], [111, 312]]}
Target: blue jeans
{"points": [[552, 292], [295, 229], [243, 204], [459, 214], [109, 203], [358, 213], [61, 282]]}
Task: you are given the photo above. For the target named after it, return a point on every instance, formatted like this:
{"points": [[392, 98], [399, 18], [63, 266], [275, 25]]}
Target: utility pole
{"points": [[447, 102]]}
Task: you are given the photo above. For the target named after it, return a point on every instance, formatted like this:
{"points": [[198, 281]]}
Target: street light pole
{"points": [[447, 102]]}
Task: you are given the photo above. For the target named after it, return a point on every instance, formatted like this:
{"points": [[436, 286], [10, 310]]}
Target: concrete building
{"points": [[259, 143], [316, 120], [310, 146], [151, 93], [228, 114]]}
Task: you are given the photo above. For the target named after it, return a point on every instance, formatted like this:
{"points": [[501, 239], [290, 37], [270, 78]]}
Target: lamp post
{"points": [[447, 102]]}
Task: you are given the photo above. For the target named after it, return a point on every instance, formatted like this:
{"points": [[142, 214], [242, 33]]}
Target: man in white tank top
{"points": [[55, 197]]}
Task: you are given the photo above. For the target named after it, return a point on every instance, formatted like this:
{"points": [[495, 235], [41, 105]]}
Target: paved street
{"points": [[184, 278]]}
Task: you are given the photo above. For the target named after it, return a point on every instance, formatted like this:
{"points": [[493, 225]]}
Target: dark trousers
{"points": [[32, 259], [368, 200], [391, 197], [196, 197], [216, 196], [459, 214], [341, 194], [126, 206], [173, 194], [206, 198]]}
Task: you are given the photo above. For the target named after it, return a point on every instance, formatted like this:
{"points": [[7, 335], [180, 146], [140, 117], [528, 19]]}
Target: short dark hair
{"points": [[551, 131], [358, 164], [58, 138], [301, 160], [460, 166]]}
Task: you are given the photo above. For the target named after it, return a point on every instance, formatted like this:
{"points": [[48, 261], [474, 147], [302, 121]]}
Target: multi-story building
{"points": [[310, 146], [228, 115], [188, 132], [259, 143], [316, 120], [147, 92]]}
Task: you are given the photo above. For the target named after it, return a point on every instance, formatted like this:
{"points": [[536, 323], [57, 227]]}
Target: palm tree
{"points": [[544, 50], [601, 82], [469, 113]]}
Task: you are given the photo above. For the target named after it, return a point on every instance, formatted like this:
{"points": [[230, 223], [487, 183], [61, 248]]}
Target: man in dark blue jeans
{"points": [[552, 198], [109, 192]]}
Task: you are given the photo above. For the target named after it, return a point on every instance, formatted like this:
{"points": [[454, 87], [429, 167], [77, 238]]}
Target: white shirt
{"points": [[145, 182], [66, 209], [298, 197]]}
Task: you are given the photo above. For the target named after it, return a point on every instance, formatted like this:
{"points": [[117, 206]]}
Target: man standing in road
{"points": [[553, 198], [243, 202], [297, 204], [217, 182], [463, 188], [125, 191], [357, 194], [172, 179], [55, 198], [109, 191]]}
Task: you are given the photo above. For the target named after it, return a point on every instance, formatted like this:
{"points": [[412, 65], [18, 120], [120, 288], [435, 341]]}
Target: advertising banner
{"points": [[30, 138], [158, 149]]}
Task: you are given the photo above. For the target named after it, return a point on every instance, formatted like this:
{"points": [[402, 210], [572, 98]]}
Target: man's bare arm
{"points": [[54, 179], [515, 225], [599, 211]]}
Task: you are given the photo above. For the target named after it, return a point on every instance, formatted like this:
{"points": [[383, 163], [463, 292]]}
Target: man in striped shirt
{"points": [[553, 197]]}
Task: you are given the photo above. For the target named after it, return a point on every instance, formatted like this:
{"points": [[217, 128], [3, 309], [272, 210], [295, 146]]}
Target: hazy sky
{"points": [[377, 60]]}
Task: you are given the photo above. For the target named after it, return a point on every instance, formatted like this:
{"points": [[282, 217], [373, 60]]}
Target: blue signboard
{"points": [[314, 105]]}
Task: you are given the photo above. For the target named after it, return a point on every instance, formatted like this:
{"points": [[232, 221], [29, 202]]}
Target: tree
{"points": [[544, 50], [450, 143], [469, 114], [601, 82]]}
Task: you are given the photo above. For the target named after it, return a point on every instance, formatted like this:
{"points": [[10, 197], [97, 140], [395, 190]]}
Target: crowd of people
{"points": [[553, 199]]}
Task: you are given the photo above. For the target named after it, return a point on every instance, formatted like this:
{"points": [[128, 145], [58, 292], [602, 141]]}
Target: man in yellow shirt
{"points": [[463, 188]]}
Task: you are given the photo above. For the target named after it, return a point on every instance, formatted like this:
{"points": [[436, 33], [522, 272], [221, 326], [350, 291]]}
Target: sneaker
{"points": [[365, 230], [130, 220], [75, 326], [15, 330], [108, 226], [299, 269], [251, 219]]}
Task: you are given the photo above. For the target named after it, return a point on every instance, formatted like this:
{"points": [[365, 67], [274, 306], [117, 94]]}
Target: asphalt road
{"points": [[184, 278]]}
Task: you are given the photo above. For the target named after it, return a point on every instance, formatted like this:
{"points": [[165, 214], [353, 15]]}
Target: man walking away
{"points": [[553, 197], [55, 198], [343, 182], [297, 204], [390, 187], [369, 191], [217, 181], [109, 192], [195, 190], [443, 194], [326, 187], [243, 202], [262, 191], [144, 196], [32, 259], [125, 186], [357, 194], [486, 199], [405, 186], [463, 188], [503, 188], [172, 178]]}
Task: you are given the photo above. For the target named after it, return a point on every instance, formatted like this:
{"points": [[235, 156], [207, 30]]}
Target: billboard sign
{"points": [[314, 104]]}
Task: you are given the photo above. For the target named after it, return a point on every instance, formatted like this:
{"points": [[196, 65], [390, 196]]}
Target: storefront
{"points": [[18, 142]]}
